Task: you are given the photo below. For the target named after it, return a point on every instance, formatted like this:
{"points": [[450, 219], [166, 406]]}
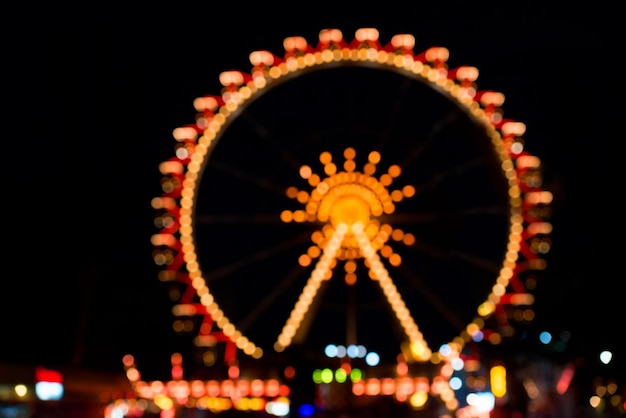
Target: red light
{"points": [[565, 379], [46, 375], [177, 372]]}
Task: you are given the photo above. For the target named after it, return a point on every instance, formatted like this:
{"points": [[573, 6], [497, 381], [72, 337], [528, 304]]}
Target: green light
{"points": [[340, 375], [356, 374], [317, 376], [327, 375]]}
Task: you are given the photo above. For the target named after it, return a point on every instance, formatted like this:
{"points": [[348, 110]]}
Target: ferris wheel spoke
{"points": [[441, 306], [404, 218], [430, 250], [237, 172], [485, 264], [425, 143], [445, 254], [263, 253], [251, 218], [438, 178], [393, 113], [461, 169], [273, 295], [273, 140]]}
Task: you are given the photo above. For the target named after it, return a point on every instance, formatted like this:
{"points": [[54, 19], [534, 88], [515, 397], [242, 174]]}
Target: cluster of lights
{"points": [[270, 395], [340, 375], [606, 395], [349, 202], [353, 351], [481, 392], [48, 386]]}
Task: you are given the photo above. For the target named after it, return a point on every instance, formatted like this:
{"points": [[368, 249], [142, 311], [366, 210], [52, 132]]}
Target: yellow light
{"points": [[349, 210], [498, 381], [21, 390], [163, 402]]}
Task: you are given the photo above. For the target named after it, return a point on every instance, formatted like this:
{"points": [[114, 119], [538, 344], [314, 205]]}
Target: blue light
{"points": [[306, 410], [456, 383], [545, 337], [478, 336], [331, 350], [372, 359], [341, 351], [445, 350], [362, 351], [353, 351]]}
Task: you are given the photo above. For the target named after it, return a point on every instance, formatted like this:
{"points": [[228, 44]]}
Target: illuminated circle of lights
{"points": [[350, 212]]}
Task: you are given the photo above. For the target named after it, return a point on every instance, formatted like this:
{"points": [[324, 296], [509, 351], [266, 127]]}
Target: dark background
{"points": [[91, 98]]}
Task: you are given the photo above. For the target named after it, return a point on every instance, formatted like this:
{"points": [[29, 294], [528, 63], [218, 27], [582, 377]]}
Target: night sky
{"points": [[91, 102]]}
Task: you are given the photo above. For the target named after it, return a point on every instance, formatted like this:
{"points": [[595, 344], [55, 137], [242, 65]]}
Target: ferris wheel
{"points": [[356, 193]]}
